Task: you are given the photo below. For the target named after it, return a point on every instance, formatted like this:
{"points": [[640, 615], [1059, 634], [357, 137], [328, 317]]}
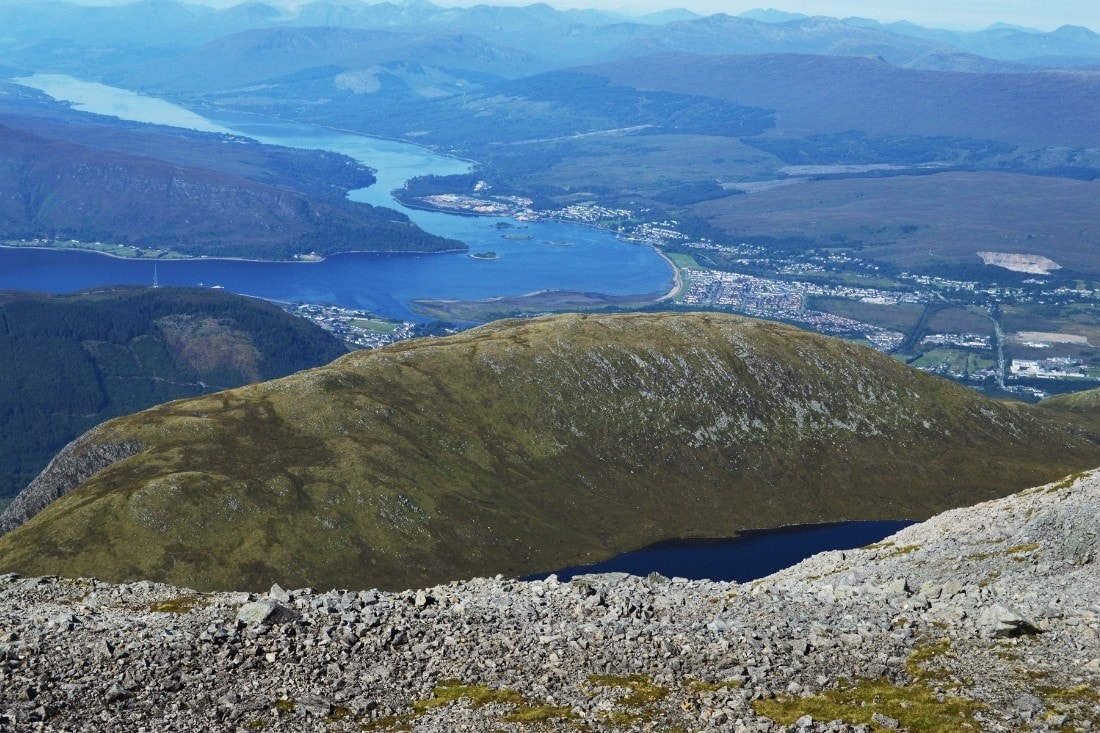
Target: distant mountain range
{"points": [[110, 40], [69, 362], [813, 94], [1004, 42], [526, 446], [725, 34], [281, 57], [639, 124]]}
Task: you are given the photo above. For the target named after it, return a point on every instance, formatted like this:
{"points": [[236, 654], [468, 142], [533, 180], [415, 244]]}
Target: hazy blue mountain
{"points": [[558, 37], [161, 35], [771, 15], [726, 34], [667, 16], [84, 24], [830, 94], [67, 35], [503, 42], [419, 14], [1010, 26], [943, 60], [146, 23], [1001, 41], [256, 56], [292, 62], [533, 111]]}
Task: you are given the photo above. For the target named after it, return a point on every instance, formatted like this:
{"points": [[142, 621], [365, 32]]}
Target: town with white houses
{"points": [[757, 282]]}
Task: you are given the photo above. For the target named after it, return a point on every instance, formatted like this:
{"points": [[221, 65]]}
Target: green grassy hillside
{"points": [[1085, 403], [70, 362], [528, 445]]}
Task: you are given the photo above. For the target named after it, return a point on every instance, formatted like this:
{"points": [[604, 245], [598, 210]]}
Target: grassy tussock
{"points": [[917, 706]]}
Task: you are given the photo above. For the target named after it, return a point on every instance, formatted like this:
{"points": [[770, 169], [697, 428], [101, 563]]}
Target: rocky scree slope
{"points": [[981, 619], [529, 445]]}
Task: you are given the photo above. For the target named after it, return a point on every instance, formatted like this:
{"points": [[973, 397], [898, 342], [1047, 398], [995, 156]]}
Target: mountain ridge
{"points": [[56, 35], [524, 446], [69, 175], [814, 93]]}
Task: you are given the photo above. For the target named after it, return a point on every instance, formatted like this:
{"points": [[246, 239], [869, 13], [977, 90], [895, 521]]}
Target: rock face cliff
{"points": [[980, 619], [1034, 264], [75, 464], [525, 446]]}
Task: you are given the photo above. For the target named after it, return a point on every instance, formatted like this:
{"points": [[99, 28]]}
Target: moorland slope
{"points": [[529, 445]]}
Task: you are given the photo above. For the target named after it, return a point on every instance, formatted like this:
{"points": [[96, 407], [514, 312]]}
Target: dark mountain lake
{"points": [[752, 555], [596, 262]]}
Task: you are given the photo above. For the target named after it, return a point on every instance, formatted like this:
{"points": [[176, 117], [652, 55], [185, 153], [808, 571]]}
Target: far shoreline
{"points": [[178, 257], [677, 278]]}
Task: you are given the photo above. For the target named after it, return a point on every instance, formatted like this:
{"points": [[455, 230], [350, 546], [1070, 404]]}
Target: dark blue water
{"points": [[593, 260], [380, 283], [748, 557]]}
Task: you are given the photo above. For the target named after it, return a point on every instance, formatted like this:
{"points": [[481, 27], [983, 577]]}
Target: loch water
{"points": [[747, 557], [558, 255]]}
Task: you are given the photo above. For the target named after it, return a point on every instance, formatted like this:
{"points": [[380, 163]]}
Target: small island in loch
{"points": [[485, 256]]}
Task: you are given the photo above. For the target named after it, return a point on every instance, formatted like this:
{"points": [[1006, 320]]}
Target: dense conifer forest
{"points": [[70, 362]]}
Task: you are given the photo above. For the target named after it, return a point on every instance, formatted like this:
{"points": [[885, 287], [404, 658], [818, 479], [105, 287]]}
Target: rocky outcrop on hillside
{"points": [[76, 463], [985, 618], [1033, 264]]}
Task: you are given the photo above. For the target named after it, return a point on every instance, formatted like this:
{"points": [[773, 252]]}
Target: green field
{"points": [[954, 360], [117, 250], [1081, 319], [683, 261], [374, 324], [960, 320], [901, 317]]}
